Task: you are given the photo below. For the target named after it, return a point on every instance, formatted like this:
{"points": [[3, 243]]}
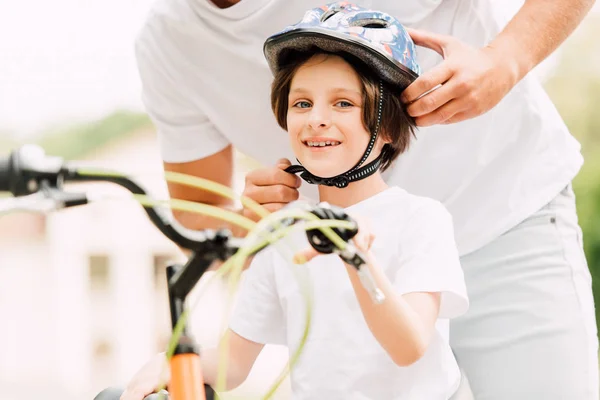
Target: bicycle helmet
{"points": [[376, 38]]}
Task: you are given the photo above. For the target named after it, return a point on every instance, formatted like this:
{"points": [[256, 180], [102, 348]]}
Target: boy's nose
{"points": [[319, 119]]}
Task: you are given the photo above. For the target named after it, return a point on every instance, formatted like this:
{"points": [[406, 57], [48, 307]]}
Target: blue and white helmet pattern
{"points": [[375, 37]]}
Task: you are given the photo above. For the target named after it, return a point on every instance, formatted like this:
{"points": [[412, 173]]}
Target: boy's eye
{"points": [[344, 104], [302, 104]]}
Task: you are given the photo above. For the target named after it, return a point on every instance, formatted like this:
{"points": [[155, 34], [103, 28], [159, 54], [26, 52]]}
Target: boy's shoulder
{"points": [[396, 204]]}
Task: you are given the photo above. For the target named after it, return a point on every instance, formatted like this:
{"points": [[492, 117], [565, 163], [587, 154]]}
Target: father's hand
{"points": [[472, 81], [271, 187]]}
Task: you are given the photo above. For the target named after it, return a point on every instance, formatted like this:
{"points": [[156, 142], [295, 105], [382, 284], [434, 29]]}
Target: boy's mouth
{"points": [[321, 143]]}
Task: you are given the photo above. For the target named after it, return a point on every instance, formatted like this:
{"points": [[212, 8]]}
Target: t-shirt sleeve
{"points": [[429, 260], [184, 131], [258, 315], [414, 11]]}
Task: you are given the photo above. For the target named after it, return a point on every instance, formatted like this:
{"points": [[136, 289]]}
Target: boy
{"points": [[338, 78]]}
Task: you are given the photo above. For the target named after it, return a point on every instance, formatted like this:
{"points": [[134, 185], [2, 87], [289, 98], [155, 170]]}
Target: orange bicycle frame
{"points": [[186, 378], [187, 382]]}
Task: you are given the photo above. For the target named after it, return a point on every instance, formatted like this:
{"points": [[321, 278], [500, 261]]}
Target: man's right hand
{"points": [[271, 187]]}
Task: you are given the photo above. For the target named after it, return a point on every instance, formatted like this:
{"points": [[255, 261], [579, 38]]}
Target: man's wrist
{"points": [[509, 61], [535, 31]]}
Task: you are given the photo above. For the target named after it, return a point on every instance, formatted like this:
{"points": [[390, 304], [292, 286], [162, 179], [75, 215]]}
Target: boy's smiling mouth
{"points": [[315, 143]]}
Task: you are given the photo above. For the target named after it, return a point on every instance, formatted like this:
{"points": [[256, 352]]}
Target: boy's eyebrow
{"points": [[298, 90], [344, 90], [334, 90]]}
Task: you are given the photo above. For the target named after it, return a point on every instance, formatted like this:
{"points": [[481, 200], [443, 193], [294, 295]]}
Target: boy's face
{"points": [[324, 118]]}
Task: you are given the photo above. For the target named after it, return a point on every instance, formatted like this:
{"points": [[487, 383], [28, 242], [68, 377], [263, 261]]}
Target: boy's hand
{"points": [[365, 236], [271, 187], [149, 378], [362, 241]]}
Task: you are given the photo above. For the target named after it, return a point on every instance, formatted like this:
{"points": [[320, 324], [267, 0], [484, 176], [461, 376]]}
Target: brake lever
{"points": [[353, 257], [37, 203], [44, 201]]}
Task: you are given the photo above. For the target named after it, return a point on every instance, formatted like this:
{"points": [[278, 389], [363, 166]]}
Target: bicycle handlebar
{"points": [[28, 170]]}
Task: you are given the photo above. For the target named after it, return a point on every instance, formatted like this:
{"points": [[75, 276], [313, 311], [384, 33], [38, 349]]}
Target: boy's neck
{"points": [[354, 193]]}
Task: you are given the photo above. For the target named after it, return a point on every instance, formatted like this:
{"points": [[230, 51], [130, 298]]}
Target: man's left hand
{"points": [[472, 81]]}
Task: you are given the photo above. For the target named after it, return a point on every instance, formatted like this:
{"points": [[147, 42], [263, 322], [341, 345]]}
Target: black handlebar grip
{"points": [[5, 171], [317, 239]]}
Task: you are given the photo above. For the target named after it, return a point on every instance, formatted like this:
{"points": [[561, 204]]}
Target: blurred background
{"points": [[82, 292]]}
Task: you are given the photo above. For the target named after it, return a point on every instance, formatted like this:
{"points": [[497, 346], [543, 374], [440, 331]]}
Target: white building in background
{"points": [[82, 292]]}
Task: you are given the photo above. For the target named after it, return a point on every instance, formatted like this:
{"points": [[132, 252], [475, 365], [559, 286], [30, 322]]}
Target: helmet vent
{"points": [[371, 23], [330, 13]]}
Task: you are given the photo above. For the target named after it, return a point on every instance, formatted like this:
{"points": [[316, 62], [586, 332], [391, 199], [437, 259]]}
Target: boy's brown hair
{"points": [[396, 125]]}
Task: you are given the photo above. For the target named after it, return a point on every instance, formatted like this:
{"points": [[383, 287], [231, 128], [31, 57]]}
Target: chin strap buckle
{"points": [[340, 181]]}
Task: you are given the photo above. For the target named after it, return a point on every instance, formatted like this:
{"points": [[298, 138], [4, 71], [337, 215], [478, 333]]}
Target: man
{"points": [[491, 147]]}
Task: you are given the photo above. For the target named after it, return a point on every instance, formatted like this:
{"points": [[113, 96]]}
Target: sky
{"points": [[64, 61], [67, 60]]}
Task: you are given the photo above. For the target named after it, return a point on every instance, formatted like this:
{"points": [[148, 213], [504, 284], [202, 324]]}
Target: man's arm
{"points": [[537, 29], [217, 168], [271, 187], [474, 80]]}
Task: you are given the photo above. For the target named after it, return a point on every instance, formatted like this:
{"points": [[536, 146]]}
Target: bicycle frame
{"points": [[187, 382]]}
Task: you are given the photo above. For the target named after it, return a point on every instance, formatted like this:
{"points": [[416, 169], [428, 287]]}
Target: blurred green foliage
{"points": [[575, 90], [80, 140]]}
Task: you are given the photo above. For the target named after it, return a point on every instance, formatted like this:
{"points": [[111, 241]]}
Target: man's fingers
{"points": [[425, 83], [459, 117], [433, 41], [283, 162], [272, 176], [272, 194], [434, 100], [440, 115]]}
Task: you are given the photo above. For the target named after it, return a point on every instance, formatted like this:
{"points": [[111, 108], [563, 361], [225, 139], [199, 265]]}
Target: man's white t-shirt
{"points": [[414, 245], [206, 84]]}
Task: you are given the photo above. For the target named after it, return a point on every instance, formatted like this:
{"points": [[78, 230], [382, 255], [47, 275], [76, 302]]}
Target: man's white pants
{"points": [[530, 332]]}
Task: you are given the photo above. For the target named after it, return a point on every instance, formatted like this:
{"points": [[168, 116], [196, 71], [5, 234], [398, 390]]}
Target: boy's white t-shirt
{"points": [[206, 84], [414, 244]]}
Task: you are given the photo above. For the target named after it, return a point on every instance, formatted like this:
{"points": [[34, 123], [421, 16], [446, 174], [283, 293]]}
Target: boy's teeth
{"points": [[321, 144]]}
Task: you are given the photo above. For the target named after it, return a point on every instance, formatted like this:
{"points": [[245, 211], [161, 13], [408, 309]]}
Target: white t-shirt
{"points": [[414, 244], [206, 84]]}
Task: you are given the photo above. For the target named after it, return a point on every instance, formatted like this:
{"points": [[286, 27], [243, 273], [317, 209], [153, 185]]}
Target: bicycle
{"points": [[36, 182]]}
